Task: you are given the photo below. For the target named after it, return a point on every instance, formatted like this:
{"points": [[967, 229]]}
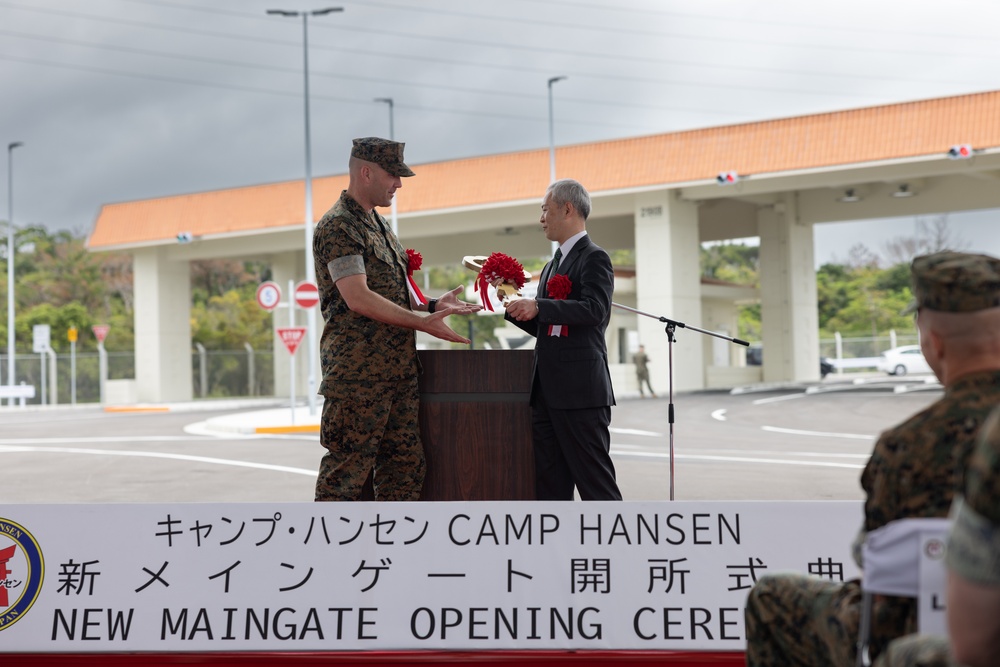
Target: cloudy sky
{"points": [[117, 100]]}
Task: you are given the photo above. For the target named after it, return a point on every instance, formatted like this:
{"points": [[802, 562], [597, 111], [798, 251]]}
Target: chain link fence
{"points": [[222, 373], [864, 347]]}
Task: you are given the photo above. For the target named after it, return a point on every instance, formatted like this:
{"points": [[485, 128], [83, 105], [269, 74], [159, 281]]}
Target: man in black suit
{"points": [[571, 395]]}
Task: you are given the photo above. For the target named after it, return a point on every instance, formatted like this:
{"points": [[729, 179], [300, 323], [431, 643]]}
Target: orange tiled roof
{"points": [[821, 140]]}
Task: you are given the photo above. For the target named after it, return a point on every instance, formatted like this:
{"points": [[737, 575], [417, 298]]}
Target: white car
{"points": [[903, 360]]}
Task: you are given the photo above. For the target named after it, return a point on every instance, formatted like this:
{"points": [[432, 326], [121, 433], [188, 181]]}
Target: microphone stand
{"points": [[670, 328]]}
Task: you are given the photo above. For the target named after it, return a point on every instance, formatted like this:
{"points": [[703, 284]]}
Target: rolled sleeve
{"points": [[349, 265]]}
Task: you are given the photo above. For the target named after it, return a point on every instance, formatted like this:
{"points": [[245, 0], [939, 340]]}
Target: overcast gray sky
{"points": [[117, 100]]}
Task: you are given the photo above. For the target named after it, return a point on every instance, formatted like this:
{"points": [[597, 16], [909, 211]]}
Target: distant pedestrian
{"points": [[642, 370]]}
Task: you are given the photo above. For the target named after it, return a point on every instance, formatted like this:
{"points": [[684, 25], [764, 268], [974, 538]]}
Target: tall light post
{"points": [[392, 137], [552, 144], [10, 264], [310, 264], [552, 133]]}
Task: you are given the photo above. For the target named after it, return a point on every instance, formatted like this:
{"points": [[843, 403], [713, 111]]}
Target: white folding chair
{"points": [[905, 558]]}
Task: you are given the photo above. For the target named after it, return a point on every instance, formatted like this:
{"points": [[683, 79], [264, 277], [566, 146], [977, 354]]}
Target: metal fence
{"points": [[222, 373], [248, 372], [864, 347]]}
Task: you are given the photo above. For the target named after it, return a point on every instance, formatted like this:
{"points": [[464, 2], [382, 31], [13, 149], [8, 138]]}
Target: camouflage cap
{"points": [[955, 282], [383, 152]]}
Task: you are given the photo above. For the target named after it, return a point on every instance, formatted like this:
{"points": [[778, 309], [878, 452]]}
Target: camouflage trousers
{"points": [[917, 651], [371, 427], [793, 620]]}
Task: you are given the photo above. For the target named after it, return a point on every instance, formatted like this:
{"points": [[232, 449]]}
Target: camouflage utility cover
{"points": [[956, 282]]}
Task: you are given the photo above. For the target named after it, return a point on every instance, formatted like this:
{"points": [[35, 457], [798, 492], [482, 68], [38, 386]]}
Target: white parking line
{"points": [[5, 449], [632, 431], [719, 414], [739, 459], [775, 399], [820, 434], [116, 438]]}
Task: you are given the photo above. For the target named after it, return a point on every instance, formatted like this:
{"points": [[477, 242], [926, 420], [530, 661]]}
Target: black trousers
{"points": [[572, 448]]}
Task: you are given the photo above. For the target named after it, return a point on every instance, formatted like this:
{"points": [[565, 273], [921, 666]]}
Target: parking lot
{"points": [[807, 442]]}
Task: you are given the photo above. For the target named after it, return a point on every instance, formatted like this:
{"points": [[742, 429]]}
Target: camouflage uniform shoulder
{"points": [[982, 481], [346, 216]]}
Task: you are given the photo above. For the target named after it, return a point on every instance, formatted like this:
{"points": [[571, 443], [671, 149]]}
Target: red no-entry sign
{"points": [[291, 337], [306, 294]]}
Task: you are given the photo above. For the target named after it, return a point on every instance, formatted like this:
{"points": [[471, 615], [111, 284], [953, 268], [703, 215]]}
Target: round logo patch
{"points": [[21, 572]]}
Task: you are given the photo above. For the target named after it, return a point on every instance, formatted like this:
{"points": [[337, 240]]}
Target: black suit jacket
{"points": [[572, 371]]}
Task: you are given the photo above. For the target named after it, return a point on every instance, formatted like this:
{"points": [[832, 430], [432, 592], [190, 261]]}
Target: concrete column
{"points": [[668, 285], [284, 267], [162, 327], [789, 319]]}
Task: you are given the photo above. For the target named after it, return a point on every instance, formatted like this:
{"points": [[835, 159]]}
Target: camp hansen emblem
{"points": [[21, 572]]}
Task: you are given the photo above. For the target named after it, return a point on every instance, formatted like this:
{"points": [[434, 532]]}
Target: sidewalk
{"points": [[275, 420], [267, 418]]}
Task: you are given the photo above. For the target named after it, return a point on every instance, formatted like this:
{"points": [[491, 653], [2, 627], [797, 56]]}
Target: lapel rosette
{"points": [[414, 260], [558, 287]]}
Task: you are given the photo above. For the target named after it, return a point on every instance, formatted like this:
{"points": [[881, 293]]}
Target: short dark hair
{"points": [[569, 191]]}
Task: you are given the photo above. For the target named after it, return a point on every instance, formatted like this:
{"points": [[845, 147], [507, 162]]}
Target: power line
{"points": [[617, 77], [742, 21], [314, 96], [480, 43], [880, 31]]}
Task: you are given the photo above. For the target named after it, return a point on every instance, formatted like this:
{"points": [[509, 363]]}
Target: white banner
{"points": [[402, 576]]}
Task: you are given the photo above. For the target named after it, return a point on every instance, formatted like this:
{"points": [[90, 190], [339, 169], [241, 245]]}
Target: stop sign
{"points": [[100, 331], [306, 294], [291, 337]]}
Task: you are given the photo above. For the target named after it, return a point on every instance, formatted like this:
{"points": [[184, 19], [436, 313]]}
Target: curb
{"points": [[307, 428]]}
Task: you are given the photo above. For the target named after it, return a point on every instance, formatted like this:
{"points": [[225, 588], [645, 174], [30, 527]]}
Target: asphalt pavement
{"points": [[768, 442]]}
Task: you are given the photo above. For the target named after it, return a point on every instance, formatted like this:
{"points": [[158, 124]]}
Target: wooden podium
{"points": [[475, 423]]}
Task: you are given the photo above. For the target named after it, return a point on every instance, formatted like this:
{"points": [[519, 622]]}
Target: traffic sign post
{"points": [[268, 295], [41, 339], [291, 337], [71, 335], [100, 333], [306, 294]]}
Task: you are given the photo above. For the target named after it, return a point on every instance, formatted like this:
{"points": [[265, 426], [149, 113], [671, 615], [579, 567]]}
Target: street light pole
{"points": [[552, 145], [10, 265], [310, 264], [552, 133], [392, 137]]}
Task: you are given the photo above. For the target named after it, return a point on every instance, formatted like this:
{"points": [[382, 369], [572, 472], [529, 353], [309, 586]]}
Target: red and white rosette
{"points": [[558, 287], [504, 268], [414, 261]]}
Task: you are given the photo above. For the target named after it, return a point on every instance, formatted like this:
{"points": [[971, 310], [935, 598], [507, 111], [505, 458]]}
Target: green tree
{"points": [[731, 262], [736, 263]]}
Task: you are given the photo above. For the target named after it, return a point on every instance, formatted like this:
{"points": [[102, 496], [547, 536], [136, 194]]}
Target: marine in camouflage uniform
{"points": [[370, 367], [973, 547], [914, 471]]}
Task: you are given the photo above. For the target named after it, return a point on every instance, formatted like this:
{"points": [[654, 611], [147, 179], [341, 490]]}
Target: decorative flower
{"points": [[414, 260], [559, 286], [499, 267]]}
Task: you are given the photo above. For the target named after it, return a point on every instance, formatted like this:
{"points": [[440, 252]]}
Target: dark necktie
{"points": [[555, 260]]}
